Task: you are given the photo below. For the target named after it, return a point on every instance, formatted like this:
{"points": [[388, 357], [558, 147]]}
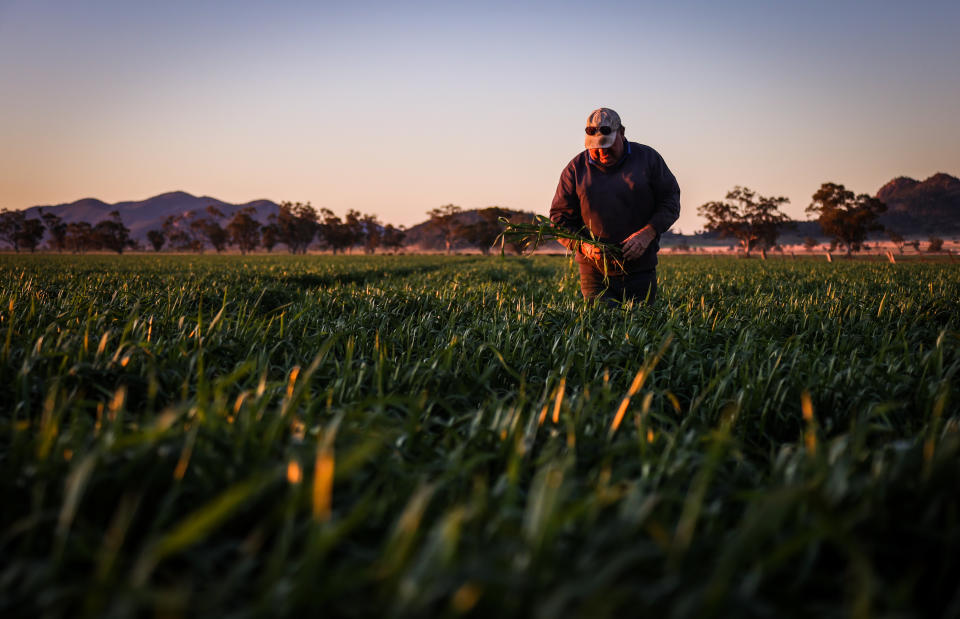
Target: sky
{"points": [[395, 108]]}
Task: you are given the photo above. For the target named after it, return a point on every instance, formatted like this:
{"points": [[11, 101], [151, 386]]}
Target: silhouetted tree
{"points": [[157, 239], [809, 242], [32, 234], [445, 220], [846, 217], [10, 223], [392, 238], [80, 237], [485, 231], [935, 244], [198, 233], [354, 223], [296, 225], [269, 236], [19, 231], [244, 230], [898, 241], [754, 220], [335, 233], [11, 227], [112, 234], [209, 228], [371, 233], [192, 231], [56, 229], [180, 234]]}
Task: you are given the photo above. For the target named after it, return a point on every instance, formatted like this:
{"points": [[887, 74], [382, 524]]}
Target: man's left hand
{"points": [[638, 242]]}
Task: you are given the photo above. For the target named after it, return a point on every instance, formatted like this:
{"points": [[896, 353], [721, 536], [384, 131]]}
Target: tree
{"points": [[190, 231], [484, 232], [372, 233], [156, 239], [11, 226], [209, 228], [354, 227], [10, 223], [392, 238], [269, 236], [112, 234], [809, 242], [898, 241], [336, 234], [57, 230], [80, 237], [445, 220], [180, 234], [846, 217], [244, 230], [19, 231], [296, 225], [32, 233], [755, 221], [936, 245]]}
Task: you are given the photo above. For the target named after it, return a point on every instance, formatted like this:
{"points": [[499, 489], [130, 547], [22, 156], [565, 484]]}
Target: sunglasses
{"points": [[604, 130]]}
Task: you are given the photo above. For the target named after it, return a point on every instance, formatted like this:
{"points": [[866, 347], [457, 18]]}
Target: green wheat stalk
{"points": [[530, 236]]}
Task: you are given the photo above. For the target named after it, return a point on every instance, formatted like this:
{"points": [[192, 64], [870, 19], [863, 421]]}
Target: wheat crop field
{"points": [[393, 436]]}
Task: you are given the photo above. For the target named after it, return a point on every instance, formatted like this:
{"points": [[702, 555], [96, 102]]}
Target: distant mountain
{"points": [[922, 208], [149, 214]]}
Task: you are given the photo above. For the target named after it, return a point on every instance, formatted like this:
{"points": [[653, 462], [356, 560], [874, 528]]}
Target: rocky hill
{"points": [[922, 208]]}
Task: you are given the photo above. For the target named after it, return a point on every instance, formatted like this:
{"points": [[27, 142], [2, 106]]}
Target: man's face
{"points": [[609, 156]]}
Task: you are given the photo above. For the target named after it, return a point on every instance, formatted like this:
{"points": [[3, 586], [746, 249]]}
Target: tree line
{"points": [[756, 221], [22, 233], [295, 225]]}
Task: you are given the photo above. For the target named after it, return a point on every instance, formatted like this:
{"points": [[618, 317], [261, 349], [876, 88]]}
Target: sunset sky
{"points": [[395, 108]]}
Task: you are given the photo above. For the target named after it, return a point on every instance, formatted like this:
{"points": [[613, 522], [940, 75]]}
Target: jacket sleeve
{"points": [[565, 208], [666, 193]]}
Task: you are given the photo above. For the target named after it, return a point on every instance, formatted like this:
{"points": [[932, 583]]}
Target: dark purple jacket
{"points": [[615, 202]]}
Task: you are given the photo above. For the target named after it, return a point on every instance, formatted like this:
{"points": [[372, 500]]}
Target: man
{"points": [[618, 192]]}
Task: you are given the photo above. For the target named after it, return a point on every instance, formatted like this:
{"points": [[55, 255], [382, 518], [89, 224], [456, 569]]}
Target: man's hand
{"points": [[591, 251], [638, 242]]}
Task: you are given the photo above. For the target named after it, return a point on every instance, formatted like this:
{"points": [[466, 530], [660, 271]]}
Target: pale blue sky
{"points": [[396, 108]]}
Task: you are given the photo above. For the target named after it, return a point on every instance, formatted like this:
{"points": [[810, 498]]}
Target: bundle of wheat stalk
{"points": [[529, 236]]}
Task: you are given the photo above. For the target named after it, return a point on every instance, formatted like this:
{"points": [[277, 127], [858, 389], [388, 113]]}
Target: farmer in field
{"points": [[617, 192]]}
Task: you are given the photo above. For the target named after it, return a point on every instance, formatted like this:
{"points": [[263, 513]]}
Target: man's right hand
{"points": [[591, 251]]}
